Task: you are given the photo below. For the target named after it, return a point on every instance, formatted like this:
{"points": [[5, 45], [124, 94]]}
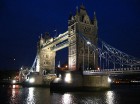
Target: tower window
{"points": [[90, 52]]}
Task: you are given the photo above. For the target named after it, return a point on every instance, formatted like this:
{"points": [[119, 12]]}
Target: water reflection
{"points": [[43, 96], [101, 97], [88, 100], [15, 93], [91, 99], [110, 96], [35, 95], [30, 97], [67, 99]]}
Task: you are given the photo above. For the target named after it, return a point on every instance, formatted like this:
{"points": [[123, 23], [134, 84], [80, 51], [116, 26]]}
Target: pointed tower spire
{"points": [[76, 9], [41, 40], [41, 36], [95, 19], [94, 15], [82, 6]]}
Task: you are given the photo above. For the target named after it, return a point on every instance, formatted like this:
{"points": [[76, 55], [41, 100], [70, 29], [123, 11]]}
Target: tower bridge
{"points": [[85, 54], [78, 24]]}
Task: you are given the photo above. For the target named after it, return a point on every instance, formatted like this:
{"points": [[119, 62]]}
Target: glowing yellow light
{"points": [[68, 78], [88, 43], [30, 96], [110, 95], [14, 81], [109, 80], [67, 99], [66, 66], [14, 86], [60, 76], [56, 80], [31, 80]]}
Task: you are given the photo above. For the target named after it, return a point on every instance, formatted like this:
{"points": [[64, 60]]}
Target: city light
{"points": [[110, 95], [56, 80], [67, 99], [21, 68], [88, 42], [66, 66], [14, 81], [60, 76], [31, 80], [14, 86], [68, 78], [109, 80]]}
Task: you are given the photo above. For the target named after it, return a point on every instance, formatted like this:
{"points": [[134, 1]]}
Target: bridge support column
{"points": [[73, 81]]}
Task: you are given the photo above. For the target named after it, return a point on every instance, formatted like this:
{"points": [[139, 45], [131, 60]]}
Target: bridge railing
{"points": [[112, 71]]}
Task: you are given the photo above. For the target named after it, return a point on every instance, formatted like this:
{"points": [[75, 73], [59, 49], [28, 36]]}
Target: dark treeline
{"points": [[8, 74]]}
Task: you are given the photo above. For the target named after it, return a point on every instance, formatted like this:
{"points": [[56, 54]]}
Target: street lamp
{"points": [[66, 66], [88, 43]]}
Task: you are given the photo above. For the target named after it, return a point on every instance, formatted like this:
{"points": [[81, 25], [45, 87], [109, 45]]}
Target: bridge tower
{"points": [[45, 56], [80, 55]]}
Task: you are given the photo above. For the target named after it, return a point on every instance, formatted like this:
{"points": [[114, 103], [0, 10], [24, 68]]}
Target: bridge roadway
{"points": [[113, 71], [57, 43]]}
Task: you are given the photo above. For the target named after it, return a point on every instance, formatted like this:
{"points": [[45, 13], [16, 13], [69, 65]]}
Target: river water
{"points": [[36, 95]]}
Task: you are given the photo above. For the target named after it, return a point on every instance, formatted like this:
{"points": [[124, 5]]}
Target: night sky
{"points": [[22, 22]]}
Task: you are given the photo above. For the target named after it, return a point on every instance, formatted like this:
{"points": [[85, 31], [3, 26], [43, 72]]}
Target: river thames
{"points": [[122, 94]]}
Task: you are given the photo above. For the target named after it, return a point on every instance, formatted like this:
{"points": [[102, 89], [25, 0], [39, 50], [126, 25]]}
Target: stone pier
{"points": [[96, 81], [73, 81]]}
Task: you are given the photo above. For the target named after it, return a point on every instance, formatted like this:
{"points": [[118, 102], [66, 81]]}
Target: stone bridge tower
{"points": [[80, 55], [46, 57]]}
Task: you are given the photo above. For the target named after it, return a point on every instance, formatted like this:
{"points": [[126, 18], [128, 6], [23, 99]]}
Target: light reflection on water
{"points": [[30, 97], [110, 97], [67, 99], [36, 95], [14, 94], [105, 97]]}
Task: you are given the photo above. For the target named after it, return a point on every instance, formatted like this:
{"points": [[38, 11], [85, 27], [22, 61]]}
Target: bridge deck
{"points": [[113, 71]]}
